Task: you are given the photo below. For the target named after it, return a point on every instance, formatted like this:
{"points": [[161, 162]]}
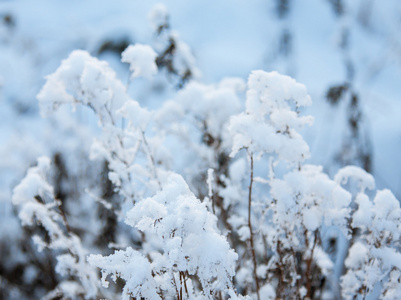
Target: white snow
{"points": [[142, 60]]}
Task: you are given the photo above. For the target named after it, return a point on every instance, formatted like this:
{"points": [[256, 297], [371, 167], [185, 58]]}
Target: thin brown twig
{"points": [[251, 232], [280, 269], [63, 215], [185, 283], [298, 281], [309, 261], [181, 286], [152, 160], [175, 285]]}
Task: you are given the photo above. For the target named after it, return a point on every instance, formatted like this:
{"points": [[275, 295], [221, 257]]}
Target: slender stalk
{"points": [[175, 285], [250, 229], [63, 215], [280, 269], [152, 160], [296, 271], [185, 282], [180, 287], [213, 201], [309, 261]]}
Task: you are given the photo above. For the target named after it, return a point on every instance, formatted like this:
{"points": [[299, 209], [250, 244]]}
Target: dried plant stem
{"points": [[309, 261], [280, 270], [250, 230], [296, 271], [182, 282], [151, 158], [63, 215], [175, 285], [183, 274], [213, 201]]}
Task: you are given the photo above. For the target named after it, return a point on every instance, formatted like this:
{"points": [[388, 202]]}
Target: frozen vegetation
{"points": [[137, 179]]}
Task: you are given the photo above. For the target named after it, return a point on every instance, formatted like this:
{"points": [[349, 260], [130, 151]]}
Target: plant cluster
{"points": [[207, 196]]}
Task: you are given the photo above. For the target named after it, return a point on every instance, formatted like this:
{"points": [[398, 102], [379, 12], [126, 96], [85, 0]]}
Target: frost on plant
{"points": [[300, 201], [37, 206], [270, 122], [83, 79], [375, 258], [131, 266], [212, 202], [142, 60], [174, 55], [190, 247], [297, 203]]}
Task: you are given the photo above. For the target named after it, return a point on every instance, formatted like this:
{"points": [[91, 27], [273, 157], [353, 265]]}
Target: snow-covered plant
{"points": [[142, 60], [300, 201], [35, 198], [120, 147], [373, 262], [271, 122], [295, 204], [208, 109], [173, 54], [218, 203], [188, 249], [83, 79], [190, 190]]}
